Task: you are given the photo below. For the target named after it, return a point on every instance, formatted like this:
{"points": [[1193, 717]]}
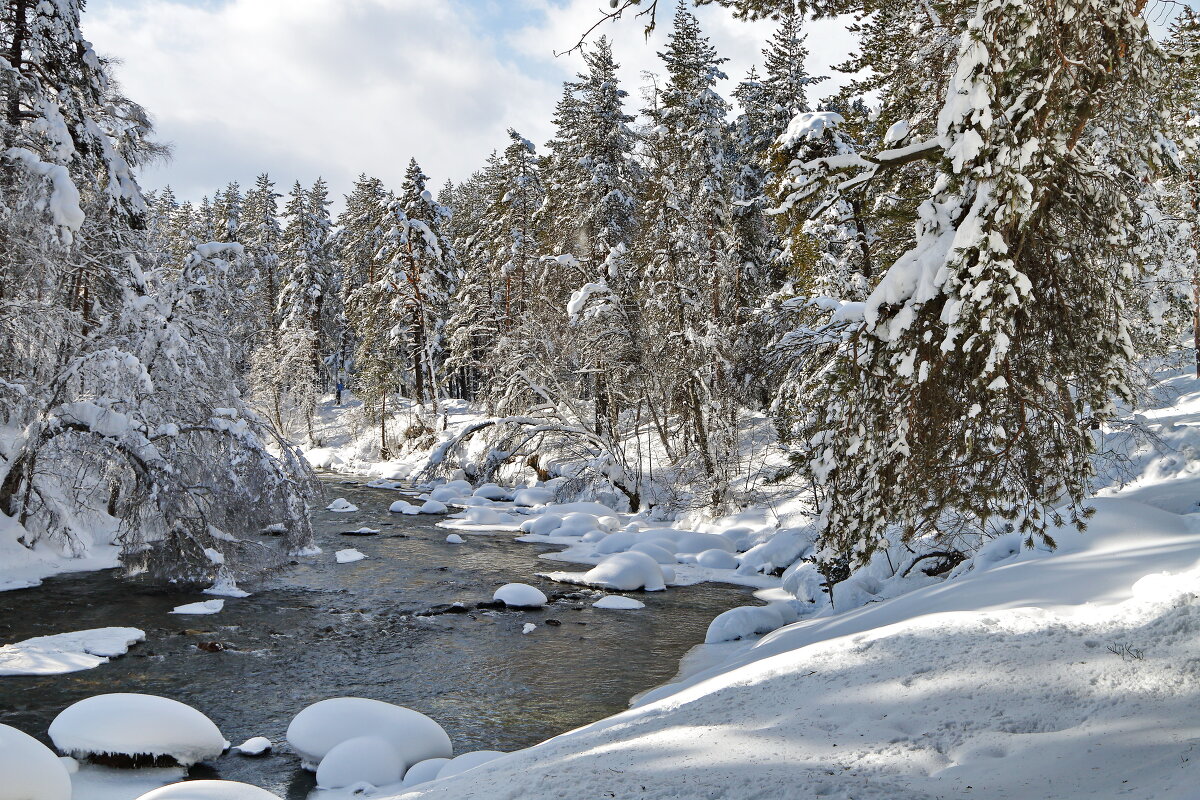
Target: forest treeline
{"points": [[939, 282]]}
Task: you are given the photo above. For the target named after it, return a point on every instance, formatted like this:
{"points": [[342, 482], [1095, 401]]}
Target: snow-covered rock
{"points": [[520, 595], [592, 536], [781, 550], [688, 541], [363, 759], [320, 727], [747, 621], [577, 523], [203, 607], [616, 602], [433, 507], [626, 572], [341, 506], [492, 491], [617, 542], [449, 494], [485, 516], [404, 507], [717, 559], [454, 538], [209, 790], [460, 764], [655, 551], [29, 770], [424, 771], [349, 555], [533, 497], [542, 525], [67, 652], [134, 725], [255, 746]]}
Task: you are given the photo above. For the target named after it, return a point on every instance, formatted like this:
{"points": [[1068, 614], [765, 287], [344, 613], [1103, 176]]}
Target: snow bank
{"points": [[203, 607], [459, 765], [209, 790], [717, 559], [320, 727], [348, 556], [363, 759], [67, 652], [520, 595], [136, 725], [617, 602], [341, 506], [30, 770], [626, 572], [22, 567]]}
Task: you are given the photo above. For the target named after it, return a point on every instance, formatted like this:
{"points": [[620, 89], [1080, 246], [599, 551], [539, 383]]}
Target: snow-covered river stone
{"points": [[67, 652], [136, 726], [626, 572], [209, 790], [460, 764], [322, 726], [520, 595], [29, 770], [363, 759]]}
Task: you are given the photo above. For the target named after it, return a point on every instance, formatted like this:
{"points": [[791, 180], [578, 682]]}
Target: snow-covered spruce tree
{"points": [[124, 414], [968, 384], [260, 234], [305, 257]]}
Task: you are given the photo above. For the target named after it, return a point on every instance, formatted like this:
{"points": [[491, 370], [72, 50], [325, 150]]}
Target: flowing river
{"points": [[319, 629]]}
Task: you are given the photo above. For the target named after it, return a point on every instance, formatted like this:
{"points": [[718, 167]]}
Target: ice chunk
{"points": [[454, 538], [320, 727], [363, 759], [31, 771], [255, 746], [626, 572], [209, 790], [127, 724], [348, 556], [342, 506], [466, 761], [520, 595], [617, 602], [203, 607], [67, 652], [423, 771], [529, 627]]}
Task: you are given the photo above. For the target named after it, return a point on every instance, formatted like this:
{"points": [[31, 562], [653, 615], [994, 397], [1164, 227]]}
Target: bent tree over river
{"points": [[318, 629]]}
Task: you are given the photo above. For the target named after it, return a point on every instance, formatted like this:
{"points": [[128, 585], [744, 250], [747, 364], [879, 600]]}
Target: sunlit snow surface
{"points": [[67, 652]]}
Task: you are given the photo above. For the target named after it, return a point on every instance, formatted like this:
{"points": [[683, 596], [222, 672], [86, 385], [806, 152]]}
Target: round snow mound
{"points": [[322, 726], [31, 771], [717, 559], [363, 759], [467, 761], [138, 727], [209, 790], [626, 572], [520, 595], [423, 771], [619, 603]]}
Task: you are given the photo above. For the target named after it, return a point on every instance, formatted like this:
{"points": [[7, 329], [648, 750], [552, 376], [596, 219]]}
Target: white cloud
{"points": [[301, 88]]}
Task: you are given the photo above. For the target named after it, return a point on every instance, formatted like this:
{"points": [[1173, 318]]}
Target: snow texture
{"points": [[320, 727], [136, 724], [255, 746], [424, 771], [454, 538], [67, 652], [626, 572], [460, 764], [203, 607], [348, 556], [30, 770], [363, 759]]}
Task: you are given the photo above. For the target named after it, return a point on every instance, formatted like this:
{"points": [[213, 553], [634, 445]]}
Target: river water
{"points": [[320, 629]]}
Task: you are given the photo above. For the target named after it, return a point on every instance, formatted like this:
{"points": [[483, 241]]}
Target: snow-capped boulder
{"points": [[30, 770], [433, 507], [533, 497], [255, 746], [126, 724], [341, 506], [607, 523], [717, 559], [493, 492], [616, 602], [804, 582], [617, 542], [577, 524], [592, 536], [459, 765], [485, 516], [349, 556], [474, 501], [781, 550], [424, 771], [320, 727], [746, 621], [67, 652], [520, 595], [543, 525], [655, 550], [449, 494], [668, 574], [203, 607], [626, 572], [454, 538], [209, 790], [363, 759], [689, 541], [404, 507]]}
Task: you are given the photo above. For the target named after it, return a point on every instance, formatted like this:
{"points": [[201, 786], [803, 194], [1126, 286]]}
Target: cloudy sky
{"points": [[301, 88]]}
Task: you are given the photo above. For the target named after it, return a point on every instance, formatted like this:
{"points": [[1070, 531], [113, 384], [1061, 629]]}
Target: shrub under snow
{"points": [[136, 726], [322, 726], [29, 769]]}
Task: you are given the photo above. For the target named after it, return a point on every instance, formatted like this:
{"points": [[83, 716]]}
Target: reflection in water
{"points": [[321, 629]]}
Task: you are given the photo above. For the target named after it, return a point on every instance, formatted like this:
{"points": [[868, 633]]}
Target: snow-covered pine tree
{"points": [[261, 234]]}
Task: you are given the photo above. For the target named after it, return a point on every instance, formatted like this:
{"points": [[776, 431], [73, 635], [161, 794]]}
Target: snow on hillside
{"points": [[1027, 674]]}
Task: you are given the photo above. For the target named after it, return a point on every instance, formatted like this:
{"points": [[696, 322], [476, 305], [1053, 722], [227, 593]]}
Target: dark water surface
{"points": [[322, 629]]}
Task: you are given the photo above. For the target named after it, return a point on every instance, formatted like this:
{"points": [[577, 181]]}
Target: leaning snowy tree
{"points": [[117, 392], [967, 386]]}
